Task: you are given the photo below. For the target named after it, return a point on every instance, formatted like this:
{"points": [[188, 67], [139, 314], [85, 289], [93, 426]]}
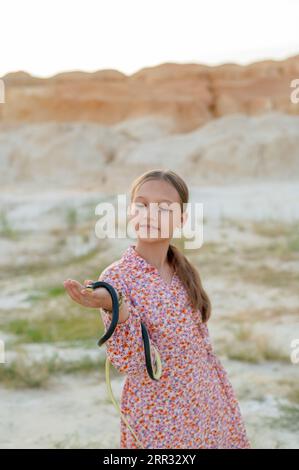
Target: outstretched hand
{"points": [[85, 297]]}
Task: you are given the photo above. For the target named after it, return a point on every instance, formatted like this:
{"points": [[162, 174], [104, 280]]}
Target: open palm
{"points": [[85, 297]]}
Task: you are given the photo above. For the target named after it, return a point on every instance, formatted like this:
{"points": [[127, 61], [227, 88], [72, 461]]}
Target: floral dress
{"points": [[193, 404]]}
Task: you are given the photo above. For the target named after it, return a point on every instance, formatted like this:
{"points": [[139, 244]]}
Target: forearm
{"points": [[125, 348], [106, 304]]}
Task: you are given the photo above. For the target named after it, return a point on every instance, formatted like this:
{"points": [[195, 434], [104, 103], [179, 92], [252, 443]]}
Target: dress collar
{"points": [[135, 258]]}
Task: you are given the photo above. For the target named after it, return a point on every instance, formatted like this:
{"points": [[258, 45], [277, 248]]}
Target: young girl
{"points": [[193, 404]]}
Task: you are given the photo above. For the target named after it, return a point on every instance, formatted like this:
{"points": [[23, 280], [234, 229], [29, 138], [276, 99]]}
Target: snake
{"points": [[153, 372]]}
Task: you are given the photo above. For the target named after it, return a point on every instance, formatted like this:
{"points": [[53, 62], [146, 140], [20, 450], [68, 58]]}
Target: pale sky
{"points": [[44, 37]]}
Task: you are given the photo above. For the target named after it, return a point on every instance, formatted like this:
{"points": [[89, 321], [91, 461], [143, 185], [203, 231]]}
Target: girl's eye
{"points": [[164, 207], [138, 205]]}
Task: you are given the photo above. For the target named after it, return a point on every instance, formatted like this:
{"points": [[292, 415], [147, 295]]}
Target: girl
{"points": [[193, 404]]}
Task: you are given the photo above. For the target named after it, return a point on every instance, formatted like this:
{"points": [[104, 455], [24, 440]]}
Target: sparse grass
{"points": [[294, 394], [46, 266], [70, 442], [286, 235], [284, 250], [21, 373], [50, 328], [71, 217], [55, 291], [293, 243], [281, 241], [255, 356], [6, 229], [243, 333], [234, 223], [74, 441], [247, 264], [275, 228], [268, 276], [250, 347], [263, 314], [291, 386], [232, 259], [212, 262], [288, 419], [47, 293]]}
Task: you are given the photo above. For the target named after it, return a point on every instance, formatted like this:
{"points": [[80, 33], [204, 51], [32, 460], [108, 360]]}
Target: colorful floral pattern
{"points": [[193, 405]]}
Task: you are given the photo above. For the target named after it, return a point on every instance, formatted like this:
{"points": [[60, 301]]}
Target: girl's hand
{"points": [[98, 298], [86, 297]]}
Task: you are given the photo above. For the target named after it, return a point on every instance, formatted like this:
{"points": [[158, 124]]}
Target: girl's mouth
{"points": [[151, 227]]}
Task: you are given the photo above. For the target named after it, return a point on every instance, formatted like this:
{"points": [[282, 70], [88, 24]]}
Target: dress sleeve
{"points": [[125, 348]]}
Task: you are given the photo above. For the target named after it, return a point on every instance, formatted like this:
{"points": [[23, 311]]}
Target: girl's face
{"points": [[156, 211]]}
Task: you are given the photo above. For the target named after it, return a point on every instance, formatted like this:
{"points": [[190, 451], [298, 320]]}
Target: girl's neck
{"points": [[154, 253]]}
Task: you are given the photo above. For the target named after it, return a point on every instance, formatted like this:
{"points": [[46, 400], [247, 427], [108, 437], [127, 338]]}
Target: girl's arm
{"points": [[125, 348]]}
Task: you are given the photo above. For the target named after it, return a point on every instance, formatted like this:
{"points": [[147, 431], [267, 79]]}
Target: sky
{"points": [[45, 37]]}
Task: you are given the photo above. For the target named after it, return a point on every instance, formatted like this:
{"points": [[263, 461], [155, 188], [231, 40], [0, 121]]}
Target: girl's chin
{"points": [[148, 238]]}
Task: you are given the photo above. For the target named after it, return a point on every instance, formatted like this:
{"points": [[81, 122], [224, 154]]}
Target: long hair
{"points": [[187, 273]]}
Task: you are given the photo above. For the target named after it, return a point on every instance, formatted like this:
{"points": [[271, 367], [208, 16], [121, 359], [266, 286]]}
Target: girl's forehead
{"points": [[157, 191], [154, 199]]}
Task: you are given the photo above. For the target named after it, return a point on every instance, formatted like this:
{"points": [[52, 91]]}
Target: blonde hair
{"points": [[187, 273]]}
